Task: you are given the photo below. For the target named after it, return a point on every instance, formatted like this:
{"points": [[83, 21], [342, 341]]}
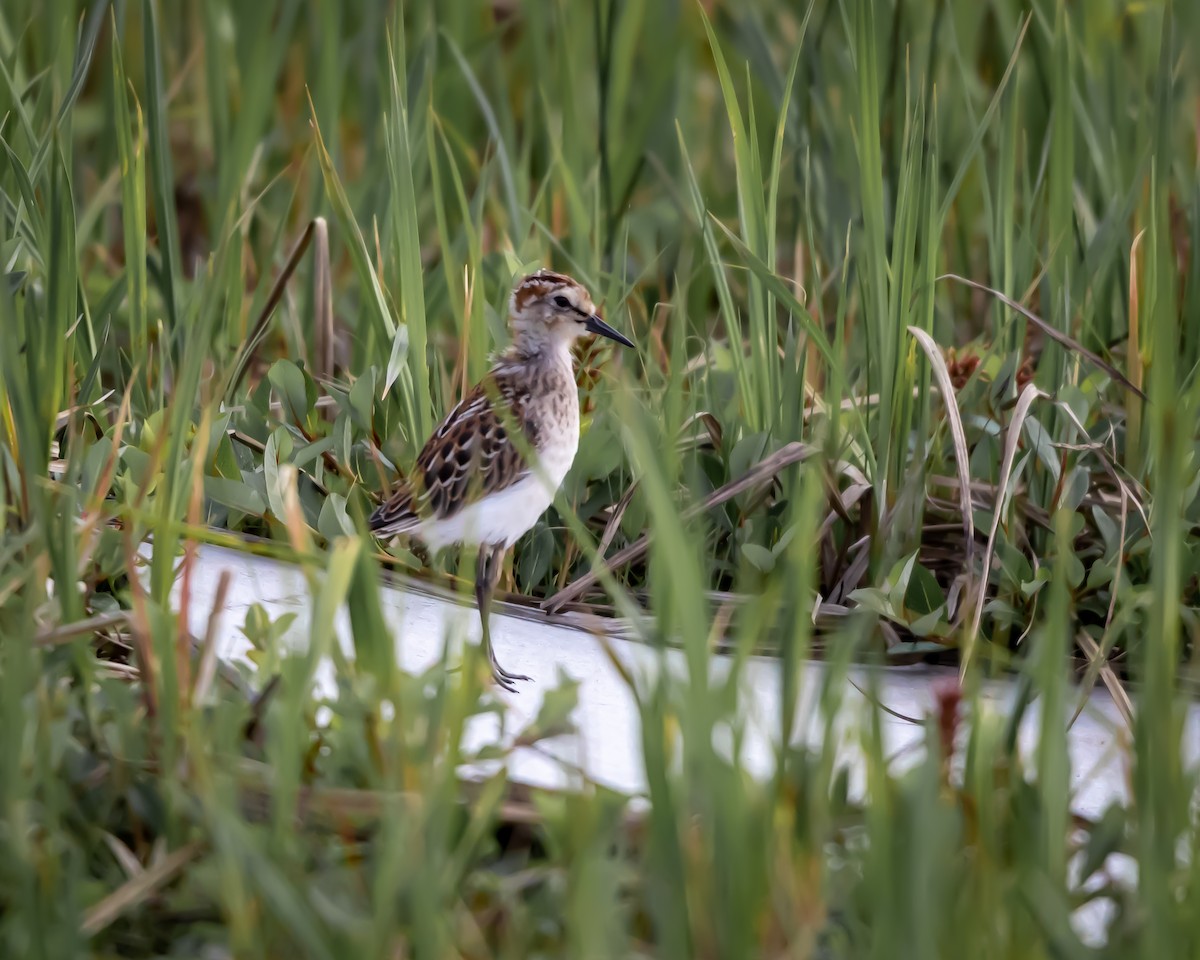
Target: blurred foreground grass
{"points": [[930, 269]]}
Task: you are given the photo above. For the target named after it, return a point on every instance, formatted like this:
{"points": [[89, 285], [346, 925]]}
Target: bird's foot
{"points": [[506, 680]]}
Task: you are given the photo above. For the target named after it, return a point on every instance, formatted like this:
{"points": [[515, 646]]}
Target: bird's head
{"points": [[549, 310]]}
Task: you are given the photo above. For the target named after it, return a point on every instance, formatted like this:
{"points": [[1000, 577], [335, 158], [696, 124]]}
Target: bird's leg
{"points": [[487, 574]]}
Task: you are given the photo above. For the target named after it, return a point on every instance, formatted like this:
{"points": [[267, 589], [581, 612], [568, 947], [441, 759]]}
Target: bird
{"points": [[492, 467]]}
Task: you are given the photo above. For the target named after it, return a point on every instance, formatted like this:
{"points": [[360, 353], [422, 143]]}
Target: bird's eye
{"points": [[562, 302]]}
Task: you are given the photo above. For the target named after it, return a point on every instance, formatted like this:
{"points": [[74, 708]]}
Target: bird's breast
{"points": [[559, 435]]}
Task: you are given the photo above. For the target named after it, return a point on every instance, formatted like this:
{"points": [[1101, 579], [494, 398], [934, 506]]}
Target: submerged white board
{"points": [[605, 749]]}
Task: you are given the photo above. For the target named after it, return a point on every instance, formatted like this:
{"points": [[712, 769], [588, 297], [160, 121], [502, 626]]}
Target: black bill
{"points": [[594, 324]]}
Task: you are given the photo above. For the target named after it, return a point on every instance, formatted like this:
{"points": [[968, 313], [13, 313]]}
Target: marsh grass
{"points": [[950, 251]]}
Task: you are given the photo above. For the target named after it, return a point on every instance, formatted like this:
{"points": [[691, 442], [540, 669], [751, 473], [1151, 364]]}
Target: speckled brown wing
{"points": [[469, 456]]}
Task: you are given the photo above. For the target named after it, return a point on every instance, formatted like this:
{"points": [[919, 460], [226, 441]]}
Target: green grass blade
{"points": [[130, 148], [403, 212], [162, 179]]}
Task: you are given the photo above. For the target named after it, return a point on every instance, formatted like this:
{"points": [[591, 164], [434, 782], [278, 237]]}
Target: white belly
{"points": [[503, 517]]}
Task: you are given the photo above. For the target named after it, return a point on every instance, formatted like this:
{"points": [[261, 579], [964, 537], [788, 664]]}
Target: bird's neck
{"points": [[541, 351]]}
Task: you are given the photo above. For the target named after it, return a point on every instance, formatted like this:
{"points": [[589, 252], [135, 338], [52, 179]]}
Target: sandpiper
{"points": [[473, 484]]}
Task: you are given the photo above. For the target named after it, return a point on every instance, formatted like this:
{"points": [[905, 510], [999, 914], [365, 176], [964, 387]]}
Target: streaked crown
{"points": [[549, 309], [546, 295]]}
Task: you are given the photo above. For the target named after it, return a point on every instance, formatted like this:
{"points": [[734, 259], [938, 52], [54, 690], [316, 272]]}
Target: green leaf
{"points": [[1109, 529], [1043, 445], [554, 714], [759, 557], [374, 650], [339, 571], [875, 600], [1075, 570], [1099, 575], [293, 389], [362, 400], [1032, 587], [747, 452], [29, 198], [279, 448], [931, 624], [1076, 488], [924, 594], [234, 494], [333, 521], [897, 581], [263, 632], [397, 359], [310, 451]]}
